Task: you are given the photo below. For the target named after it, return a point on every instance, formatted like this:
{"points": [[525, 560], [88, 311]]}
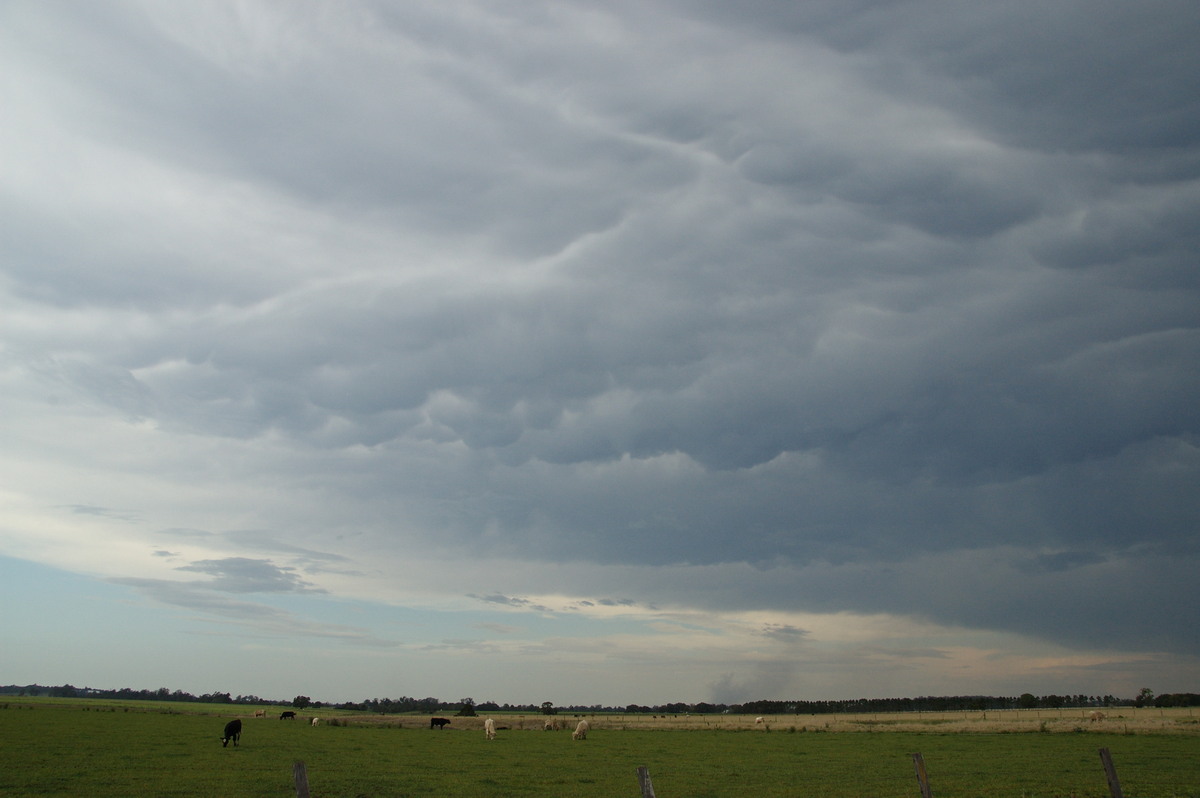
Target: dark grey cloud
{"points": [[784, 632], [1077, 76], [1112, 602], [510, 601], [829, 289], [245, 575]]}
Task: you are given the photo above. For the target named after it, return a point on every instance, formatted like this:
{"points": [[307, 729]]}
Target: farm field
{"points": [[96, 748]]}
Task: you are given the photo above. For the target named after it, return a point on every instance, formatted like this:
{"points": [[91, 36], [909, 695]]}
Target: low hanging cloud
{"points": [[514, 602], [783, 632], [842, 307], [244, 575]]}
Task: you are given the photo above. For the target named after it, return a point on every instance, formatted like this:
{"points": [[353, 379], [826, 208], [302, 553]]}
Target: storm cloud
{"points": [[857, 308]]}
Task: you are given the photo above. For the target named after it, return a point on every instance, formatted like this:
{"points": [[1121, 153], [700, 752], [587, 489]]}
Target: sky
{"points": [[600, 353]]}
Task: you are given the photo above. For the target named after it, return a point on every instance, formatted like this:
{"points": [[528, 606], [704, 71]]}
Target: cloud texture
{"points": [[629, 313]]}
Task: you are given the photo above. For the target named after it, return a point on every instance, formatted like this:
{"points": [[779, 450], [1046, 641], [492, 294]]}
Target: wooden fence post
{"points": [[643, 775], [1110, 773], [922, 777], [301, 776]]}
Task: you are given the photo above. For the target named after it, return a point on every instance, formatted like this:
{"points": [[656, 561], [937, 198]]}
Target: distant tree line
{"points": [[959, 704], [397, 706], [467, 706], [127, 694]]}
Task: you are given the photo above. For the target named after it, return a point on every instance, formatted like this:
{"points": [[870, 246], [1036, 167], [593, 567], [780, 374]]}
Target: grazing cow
{"points": [[438, 723], [289, 715], [760, 721], [581, 731], [550, 726], [260, 713], [315, 721], [1096, 716], [489, 728], [233, 731]]}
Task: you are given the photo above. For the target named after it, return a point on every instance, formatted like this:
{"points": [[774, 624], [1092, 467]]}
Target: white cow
{"points": [[489, 728], [315, 721], [1095, 716], [260, 713], [581, 731], [760, 721]]}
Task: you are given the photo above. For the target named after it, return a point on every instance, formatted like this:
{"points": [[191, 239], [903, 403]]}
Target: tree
{"points": [[468, 708], [301, 701], [1145, 696], [548, 708]]}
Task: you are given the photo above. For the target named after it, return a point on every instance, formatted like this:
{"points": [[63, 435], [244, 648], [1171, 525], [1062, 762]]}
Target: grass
{"points": [[138, 749]]}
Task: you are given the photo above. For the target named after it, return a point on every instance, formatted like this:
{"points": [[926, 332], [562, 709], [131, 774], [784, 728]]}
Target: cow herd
{"points": [[233, 729], [489, 727]]}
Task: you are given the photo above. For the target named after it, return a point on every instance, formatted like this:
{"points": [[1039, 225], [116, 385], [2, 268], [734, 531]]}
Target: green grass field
{"points": [[102, 749]]}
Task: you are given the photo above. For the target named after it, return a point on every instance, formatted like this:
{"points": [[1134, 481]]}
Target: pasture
{"points": [[98, 749]]}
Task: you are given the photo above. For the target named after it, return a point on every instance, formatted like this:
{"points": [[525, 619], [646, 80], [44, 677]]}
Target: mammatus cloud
{"points": [[600, 315]]}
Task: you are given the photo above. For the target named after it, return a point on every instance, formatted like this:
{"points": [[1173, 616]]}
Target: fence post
{"points": [[922, 777], [301, 776], [1110, 773], [643, 775]]}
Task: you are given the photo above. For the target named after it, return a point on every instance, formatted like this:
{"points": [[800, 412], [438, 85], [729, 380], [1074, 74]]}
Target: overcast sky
{"points": [[638, 351]]}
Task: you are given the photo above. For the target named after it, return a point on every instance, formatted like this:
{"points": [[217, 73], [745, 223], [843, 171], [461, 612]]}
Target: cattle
{"points": [[550, 726], [315, 721], [760, 721], [289, 715], [438, 723], [260, 713], [1096, 716], [581, 731], [233, 731], [489, 729]]}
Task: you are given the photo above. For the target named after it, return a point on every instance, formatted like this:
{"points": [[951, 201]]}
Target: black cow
{"points": [[233, 731], [289, 715], [438, 723]]}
